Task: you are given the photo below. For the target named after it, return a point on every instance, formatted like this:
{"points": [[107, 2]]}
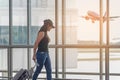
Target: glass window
{"points": [[78, 28], [19, 28], [114, 23], [3, 63], [38, 16], [114, 60], [4, 22], [83, 77], [19, 58], [114, 77], [80, 58], [4, 35], [4, 3]]}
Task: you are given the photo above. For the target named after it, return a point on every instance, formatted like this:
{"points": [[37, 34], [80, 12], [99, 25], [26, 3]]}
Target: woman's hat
{"points": [[48, 21]]}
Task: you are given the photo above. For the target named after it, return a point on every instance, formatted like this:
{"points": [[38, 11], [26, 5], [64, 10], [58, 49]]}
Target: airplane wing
{"points": [[110, 18], [113, 17]]}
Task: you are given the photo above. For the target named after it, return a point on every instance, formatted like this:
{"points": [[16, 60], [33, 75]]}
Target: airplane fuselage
{"points": [[93, 15]]}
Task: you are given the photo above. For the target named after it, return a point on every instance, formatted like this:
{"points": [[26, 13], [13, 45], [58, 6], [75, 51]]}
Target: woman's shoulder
{"points": [[43, 28], [41, 33]]}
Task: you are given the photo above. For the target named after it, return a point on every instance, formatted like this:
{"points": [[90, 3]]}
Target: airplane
{"points": [[96, 17]]}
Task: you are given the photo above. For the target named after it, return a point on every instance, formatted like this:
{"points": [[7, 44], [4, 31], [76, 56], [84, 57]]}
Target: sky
{"points": [[90, 31]]}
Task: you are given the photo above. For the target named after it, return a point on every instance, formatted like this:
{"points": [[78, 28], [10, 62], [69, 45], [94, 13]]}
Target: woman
{"points": [[41, 53]]}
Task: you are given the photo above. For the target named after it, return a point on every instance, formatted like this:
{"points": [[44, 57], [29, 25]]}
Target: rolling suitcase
{"points": [[23, 74]]}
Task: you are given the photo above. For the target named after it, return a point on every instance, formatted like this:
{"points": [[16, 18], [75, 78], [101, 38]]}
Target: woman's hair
{"points": [[46, 22], [43, 28]]}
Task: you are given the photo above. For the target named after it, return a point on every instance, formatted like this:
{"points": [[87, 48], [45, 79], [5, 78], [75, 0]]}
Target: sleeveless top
{"points": [[43, 44]]}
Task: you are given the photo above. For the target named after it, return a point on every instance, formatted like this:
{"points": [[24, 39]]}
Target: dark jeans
{"points": [[43, 59]]}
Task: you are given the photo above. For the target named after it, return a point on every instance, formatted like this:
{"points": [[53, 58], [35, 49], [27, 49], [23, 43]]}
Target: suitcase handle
{"points": [[36, 64]]}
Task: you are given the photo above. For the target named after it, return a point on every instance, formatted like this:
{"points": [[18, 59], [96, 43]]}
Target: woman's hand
{"points": [[34, 57]]}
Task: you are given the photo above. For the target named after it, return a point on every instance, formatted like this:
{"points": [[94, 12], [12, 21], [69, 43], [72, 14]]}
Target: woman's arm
{"points": [[38, 39]]}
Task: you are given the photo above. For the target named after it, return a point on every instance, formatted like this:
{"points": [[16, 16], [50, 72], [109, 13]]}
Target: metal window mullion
{"points": [[101, 40], [28, 31], [10, 42], [63, 38], [56, 40], [107, 43]]}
